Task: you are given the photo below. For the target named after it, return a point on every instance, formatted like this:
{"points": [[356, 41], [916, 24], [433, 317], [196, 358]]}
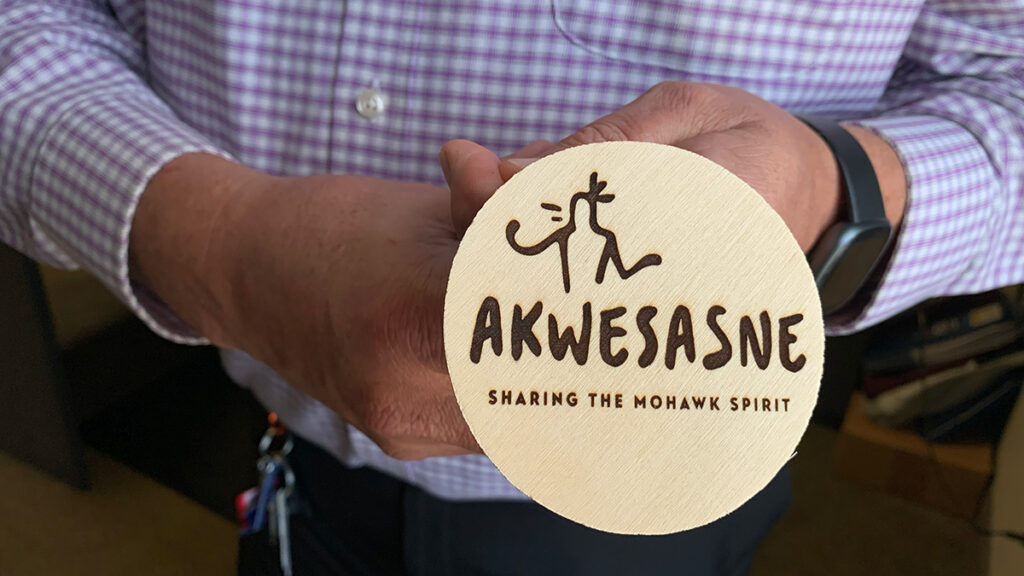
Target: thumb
{"points": [[473, 175]]}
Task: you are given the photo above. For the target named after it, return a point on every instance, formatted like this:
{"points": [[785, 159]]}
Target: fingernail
{"points": [[443, 158], [521, 162]]}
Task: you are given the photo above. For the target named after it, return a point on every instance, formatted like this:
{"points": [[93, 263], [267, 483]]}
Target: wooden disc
{"points": [[634, 337]]}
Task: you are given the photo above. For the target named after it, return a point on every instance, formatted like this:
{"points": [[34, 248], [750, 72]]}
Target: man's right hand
{"points": [[335, 282]]}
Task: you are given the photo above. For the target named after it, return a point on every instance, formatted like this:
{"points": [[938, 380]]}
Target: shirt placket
{"points": [[369, 112]]}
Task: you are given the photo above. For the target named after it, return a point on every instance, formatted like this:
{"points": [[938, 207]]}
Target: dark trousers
{"points": [[363, 522]]}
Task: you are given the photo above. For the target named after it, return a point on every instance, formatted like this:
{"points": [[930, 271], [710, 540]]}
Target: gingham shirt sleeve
{"points": [[80, 136], [954, 113]]}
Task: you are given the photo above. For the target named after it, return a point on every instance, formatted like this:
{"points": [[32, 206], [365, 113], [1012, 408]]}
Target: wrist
{"points": [[889, 170], [845, 256], [829, 201], [180, 241]]}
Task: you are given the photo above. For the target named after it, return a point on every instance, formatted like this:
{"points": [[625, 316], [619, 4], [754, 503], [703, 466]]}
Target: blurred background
{"points": [[121, 453]]}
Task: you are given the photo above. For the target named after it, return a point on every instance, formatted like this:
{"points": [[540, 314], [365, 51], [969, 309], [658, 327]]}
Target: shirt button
{"points": [[371, 103]]}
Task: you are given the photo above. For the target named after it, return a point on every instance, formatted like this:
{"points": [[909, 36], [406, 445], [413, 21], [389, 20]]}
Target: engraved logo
{"points": [[560, 237]]}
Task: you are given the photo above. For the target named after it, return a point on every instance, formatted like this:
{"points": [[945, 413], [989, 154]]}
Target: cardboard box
{"points": [[952, 478]]}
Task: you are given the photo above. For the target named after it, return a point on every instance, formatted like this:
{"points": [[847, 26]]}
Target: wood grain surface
{"points": [[634, 337]]}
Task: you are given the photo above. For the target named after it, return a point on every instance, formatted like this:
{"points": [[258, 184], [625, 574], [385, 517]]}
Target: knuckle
{"points": [[386, 322], [382, 418], [603, 130], [680, 95], [668, 87], [408, 327], [402, 429], [397, 415]]}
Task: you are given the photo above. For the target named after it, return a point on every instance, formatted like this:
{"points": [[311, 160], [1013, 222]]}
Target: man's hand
{"points": [[771, 150], [335, 282]]}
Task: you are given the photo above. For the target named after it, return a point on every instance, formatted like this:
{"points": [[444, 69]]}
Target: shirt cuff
{"points": [[951, 186], [93, 165]]}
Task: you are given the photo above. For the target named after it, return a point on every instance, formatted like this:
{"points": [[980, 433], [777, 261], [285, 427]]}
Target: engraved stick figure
{"points": [[561, 236]]}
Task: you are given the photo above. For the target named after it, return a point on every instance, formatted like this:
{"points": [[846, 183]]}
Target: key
{"points": [[282, 511], [284, 544], [269, 469]]}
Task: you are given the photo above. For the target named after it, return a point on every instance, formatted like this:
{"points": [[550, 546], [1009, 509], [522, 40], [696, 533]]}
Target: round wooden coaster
{"points": [[634, 337]]}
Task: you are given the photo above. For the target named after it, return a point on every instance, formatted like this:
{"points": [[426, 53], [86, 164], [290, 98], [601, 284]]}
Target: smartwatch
{"points": [[848, 252]]}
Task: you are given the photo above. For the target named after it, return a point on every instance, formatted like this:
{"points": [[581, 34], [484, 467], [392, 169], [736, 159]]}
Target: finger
{"points": [[668, 113], [412, 328], [472, 174], [664, 114], [532, 150], [513, 163], [426, 422], [457, 430], [436, 415], [419, 450]]}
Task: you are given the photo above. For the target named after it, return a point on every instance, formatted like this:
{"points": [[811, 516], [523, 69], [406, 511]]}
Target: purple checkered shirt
{"points": [[96, 96]]}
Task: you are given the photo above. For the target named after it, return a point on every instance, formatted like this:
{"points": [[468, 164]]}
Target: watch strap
{"points": [[849, 250], [863, 193]]}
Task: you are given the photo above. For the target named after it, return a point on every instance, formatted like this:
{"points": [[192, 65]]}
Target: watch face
{"points": [[844, 259]]}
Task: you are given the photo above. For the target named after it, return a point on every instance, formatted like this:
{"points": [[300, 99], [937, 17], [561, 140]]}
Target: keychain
{"points": [[269, 504]]}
